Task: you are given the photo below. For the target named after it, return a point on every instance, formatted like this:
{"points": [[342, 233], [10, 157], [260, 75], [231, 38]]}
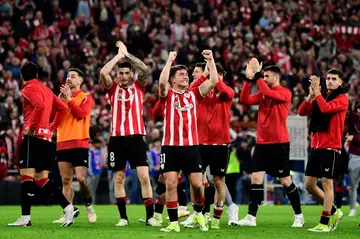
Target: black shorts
{"points": [[37, 153], [274, 159], [344, 162], [176, 158], [216, 157], [130, 148], [78, 157], [324, 163]]}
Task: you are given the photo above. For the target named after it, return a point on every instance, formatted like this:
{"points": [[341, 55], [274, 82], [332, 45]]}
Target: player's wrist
{"points": [[120, 56], [317, 93], [257, 76]]}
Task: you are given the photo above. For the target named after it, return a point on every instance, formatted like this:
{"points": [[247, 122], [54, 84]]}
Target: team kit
{"points": [[195, 142]]}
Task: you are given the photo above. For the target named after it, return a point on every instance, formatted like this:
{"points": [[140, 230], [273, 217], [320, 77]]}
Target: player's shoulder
{"points": [[343, 98], [32, 86], [285, 89], [138, 85]]}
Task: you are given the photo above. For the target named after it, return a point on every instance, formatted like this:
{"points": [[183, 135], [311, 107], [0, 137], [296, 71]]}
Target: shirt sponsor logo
{"points": [[183, 108], [131, 97]]}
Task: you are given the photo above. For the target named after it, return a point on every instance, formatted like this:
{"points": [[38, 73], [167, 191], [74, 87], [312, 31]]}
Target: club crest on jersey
{"points": [[182, 108], [131, 97], [187, 95]]}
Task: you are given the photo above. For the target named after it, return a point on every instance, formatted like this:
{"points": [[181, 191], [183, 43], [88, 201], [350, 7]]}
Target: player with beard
{"points": [[37, 152], [272, 150], [73, 140], [127, 128]]}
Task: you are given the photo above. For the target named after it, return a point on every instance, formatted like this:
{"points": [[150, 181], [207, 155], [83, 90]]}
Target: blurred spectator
{"points": [[95, 166], [232, 174]]}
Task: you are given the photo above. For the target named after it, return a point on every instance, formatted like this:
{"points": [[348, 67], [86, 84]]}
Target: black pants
{"points": [[231, 181]]}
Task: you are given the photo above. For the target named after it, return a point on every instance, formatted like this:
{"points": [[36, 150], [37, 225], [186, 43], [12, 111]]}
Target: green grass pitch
{"points": [[272, 222]]}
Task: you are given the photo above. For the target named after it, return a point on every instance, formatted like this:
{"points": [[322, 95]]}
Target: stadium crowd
{"points": [[302, 37]]}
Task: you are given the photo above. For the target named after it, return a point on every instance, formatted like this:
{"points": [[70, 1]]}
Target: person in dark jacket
{"points": [[328, 112]]}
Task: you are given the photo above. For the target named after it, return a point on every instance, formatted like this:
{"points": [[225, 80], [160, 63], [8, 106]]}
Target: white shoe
{"points": [[70, 213], [122, 223], [183, 212], [61, 220], [153, 222], [233, 214], [352, 213], [189, 219], [91, 214], [21, 222], [299, 221], [248, 221], [158, 217]]}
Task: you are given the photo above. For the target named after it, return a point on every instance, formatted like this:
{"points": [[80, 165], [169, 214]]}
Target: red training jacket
{"points": [[274, 106], [213, 114], [38, 101], [338, 107]]}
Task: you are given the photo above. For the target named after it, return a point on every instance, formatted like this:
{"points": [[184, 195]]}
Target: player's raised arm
{"points": [[340, 103], [164, 76], [306, 106], [105, 78], [135, 62], [245, 97], [208, 85], [271, 79]]}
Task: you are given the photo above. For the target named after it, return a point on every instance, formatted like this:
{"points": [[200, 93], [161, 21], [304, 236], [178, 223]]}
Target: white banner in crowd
{"points": [[297, 126]]}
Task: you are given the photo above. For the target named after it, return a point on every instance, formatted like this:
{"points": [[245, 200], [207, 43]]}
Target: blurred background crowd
{"points": [[302, 37]]}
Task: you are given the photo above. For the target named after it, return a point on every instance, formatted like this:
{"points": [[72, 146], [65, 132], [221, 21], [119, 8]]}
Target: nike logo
{"points": [[21, 161], [199, 165], [222, 170], [281, 171], [31, 195], [327, 169], [85, 161]]}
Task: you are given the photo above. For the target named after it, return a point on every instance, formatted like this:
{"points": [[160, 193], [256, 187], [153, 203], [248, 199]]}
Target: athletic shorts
{"points": [[130, 148], [324, 163], [176, 158], [274, 159], [78, 157], [216, 157], [37, 153]]}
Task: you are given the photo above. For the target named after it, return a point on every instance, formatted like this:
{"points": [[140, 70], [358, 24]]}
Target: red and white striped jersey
{"points": [[127, 109], [180, 121]]}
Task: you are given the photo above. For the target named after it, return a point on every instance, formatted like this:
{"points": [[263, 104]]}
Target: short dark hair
{"points": [[77, 70], [176, 68], [125, 64], [337, 72], [274, 69], [201, 65], [220, 69], [29, 71]]}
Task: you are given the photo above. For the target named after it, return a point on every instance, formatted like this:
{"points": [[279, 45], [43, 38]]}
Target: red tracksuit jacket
{"points": [[331, 139]]}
